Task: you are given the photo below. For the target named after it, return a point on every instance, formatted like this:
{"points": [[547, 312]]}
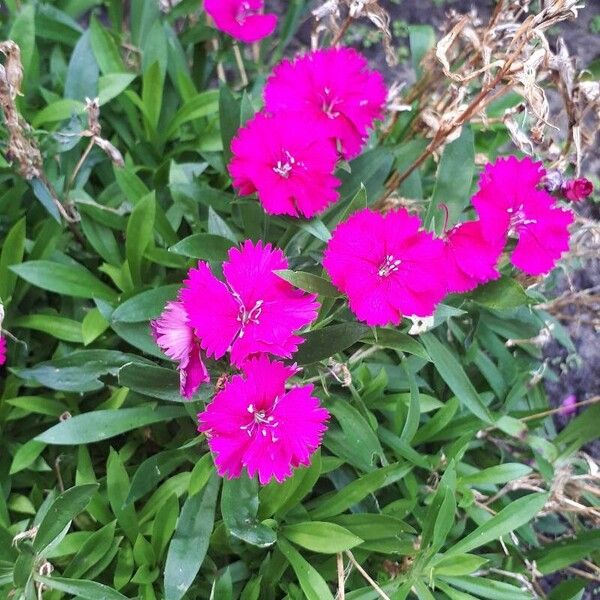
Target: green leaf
{"points": [[88, 590], [117, 487], [59, 110], [229, 113], [189, 545], [411, 425], [77, 372], [145, 306], [152, 471], [309, 283], [422, 38], [453, 181], [83, 72], [105, 49], [370, 170], [201, 105], [460, 564], [61, 512], [319, 536], [68, 279], [495, 475], [13, 249], [501, 294], [204, 246], [152, 93], [26, 455], [239, 507], [323, 343], [101, 425], [22, 33], [93, 326], [59, 327], [139, 235], [113, 85], [396, 340], [515, 515], [312, 584], [354, 492], [91, 552], [354, 440], [456, 378], [155, 382]]}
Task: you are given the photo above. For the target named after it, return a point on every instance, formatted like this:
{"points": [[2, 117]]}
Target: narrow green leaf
{"points": [[68, 279], [309, 283], [516, 514], [319, 536], [456, 378], [101, 425], [88, 590], [13, 249], [312, 584], [65, 508], [139, 235], [239, 506], [188, 547], [323, 343]]}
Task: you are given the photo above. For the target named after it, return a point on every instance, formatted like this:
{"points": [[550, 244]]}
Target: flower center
{"points": [[329, 105], [388, 266], [246, 316], [284, 167], [518, 218], [243, 12], [262, 423]]}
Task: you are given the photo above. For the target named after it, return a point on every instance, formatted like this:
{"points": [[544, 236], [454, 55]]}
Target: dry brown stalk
{"points": [[474, 65], [22, 147]]}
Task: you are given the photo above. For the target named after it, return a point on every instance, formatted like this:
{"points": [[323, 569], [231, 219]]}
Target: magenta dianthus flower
{"points": [[241, 19], [509, 203], [288, 164], [335, 90], [174, 335], [255, 423], [470, 259], [254, 311], [2, 350], [387, 266]]}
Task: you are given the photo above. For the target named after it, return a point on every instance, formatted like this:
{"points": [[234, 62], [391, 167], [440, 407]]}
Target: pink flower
{"points": [[241, 19], [2, 350], [174, 335], [255, 423], [254, 311], [333, 88], [577, 189], [289, 164], [509, 203], [568, 406], [386, 266], [470, 259]]}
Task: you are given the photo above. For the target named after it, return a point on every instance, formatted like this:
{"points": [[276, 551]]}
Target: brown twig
{"points": [[366, 576]]}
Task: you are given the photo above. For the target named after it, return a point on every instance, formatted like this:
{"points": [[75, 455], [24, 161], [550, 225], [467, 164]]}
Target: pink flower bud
{"points": [[577, 189]]}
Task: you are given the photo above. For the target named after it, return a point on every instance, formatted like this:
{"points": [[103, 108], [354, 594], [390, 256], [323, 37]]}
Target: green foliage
{"points": [[102, 473]]}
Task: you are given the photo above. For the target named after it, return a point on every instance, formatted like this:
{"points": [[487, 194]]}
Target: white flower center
{"points": [[244, 11], [518, 219], [262, 423], [388, 266], [246, 316], [284, 167]]}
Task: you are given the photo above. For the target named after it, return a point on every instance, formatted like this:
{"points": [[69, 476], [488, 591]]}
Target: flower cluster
{"points": [[241, 19], [253, 422], [389, 267], [319, 108]]}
